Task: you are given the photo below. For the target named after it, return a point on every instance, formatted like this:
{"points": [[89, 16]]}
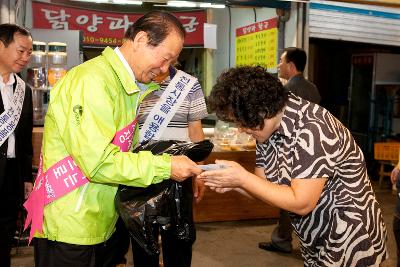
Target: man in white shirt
{"points": [[15, 131]]}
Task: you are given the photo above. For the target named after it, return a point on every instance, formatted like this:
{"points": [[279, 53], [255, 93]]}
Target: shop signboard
{"points": [[105, 28], [257, 44]]}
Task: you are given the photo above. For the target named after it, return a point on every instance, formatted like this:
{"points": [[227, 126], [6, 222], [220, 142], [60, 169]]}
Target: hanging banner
{"points": [[107, 28], [257, 44]]}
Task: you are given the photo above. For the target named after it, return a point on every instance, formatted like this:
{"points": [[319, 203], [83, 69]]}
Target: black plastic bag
{"points": [[165, 204]]}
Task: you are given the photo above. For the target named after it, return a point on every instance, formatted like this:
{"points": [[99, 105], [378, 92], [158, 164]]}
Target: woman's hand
{"points": [[394, 175], [229, 177]]}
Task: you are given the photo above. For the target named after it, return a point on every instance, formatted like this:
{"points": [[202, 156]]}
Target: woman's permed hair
{"points": [[247, 95]]}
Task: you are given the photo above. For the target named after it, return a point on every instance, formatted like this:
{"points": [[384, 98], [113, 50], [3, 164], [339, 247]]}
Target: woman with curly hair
{"points": [[308, 163]]}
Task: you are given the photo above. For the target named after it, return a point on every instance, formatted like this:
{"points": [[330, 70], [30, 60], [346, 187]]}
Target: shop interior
{"points": [[348, 89]]}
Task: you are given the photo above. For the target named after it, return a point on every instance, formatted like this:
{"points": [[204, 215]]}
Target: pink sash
{"points": [[62, 178]]}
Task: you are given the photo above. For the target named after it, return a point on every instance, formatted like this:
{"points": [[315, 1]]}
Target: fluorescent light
{"points": [[205, 5], [93, 1], [127, 2], [218, 6], [209, 5], [181, 4]]}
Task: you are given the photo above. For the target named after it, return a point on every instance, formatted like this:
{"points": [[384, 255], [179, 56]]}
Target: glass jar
{"points": [[57, 62], [36, 71]]}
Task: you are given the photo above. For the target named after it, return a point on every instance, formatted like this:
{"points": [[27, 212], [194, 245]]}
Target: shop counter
{"points": [[232, 205], [37, 136]]}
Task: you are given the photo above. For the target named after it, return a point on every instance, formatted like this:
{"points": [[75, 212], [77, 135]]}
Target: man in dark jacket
{"points": [[15, 131], [291, 68]]}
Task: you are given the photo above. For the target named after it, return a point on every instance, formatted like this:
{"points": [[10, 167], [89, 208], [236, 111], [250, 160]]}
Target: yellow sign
{"points": [[257, 44]]}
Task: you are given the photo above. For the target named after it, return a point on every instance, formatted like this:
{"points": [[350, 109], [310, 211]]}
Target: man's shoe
{"points": [[269, 246]]}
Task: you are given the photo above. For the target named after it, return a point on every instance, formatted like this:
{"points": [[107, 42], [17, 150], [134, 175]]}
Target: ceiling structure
{"points": [[263, 3], [388, 3], [146, 3]]}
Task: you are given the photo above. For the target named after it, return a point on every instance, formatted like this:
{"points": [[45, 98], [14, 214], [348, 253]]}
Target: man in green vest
{"points": [[90, 127]]}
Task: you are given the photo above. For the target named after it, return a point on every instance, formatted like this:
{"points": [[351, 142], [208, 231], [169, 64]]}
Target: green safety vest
{"points": [[87, 107]]}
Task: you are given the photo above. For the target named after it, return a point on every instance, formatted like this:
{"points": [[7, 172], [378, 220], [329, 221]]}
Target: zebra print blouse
{"points": [[346, 227]]}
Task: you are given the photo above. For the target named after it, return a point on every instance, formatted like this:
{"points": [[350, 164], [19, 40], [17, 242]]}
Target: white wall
{"points": [[291, 28], [28, 14], [7, 11]]}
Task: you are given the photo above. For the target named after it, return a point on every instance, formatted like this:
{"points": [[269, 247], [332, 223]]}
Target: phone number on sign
{"points": [[101, 40]]}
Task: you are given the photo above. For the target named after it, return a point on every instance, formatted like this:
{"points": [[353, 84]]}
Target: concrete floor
{"points": [[235, 244]]}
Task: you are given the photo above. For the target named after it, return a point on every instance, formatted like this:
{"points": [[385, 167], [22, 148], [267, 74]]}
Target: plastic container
{"points": [[228, 138], [57, 62], [38, 57]]}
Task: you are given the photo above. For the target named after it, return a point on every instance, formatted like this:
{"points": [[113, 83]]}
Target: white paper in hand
{"points": [[210, 167]]}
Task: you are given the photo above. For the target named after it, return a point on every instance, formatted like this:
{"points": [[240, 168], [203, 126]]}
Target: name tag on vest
{"points": [[62, 178], [10, 117]]}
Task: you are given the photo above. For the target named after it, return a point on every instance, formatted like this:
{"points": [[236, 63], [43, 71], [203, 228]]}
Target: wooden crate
{"points": [[387, 151]]}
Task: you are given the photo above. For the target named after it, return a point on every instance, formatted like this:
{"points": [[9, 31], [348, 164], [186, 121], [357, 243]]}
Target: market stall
{"points": [[214, 207]]}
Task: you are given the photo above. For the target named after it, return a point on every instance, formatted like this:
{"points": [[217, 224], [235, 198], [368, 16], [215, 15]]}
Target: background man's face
{"points": [[283, 67], [16, 56]]}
